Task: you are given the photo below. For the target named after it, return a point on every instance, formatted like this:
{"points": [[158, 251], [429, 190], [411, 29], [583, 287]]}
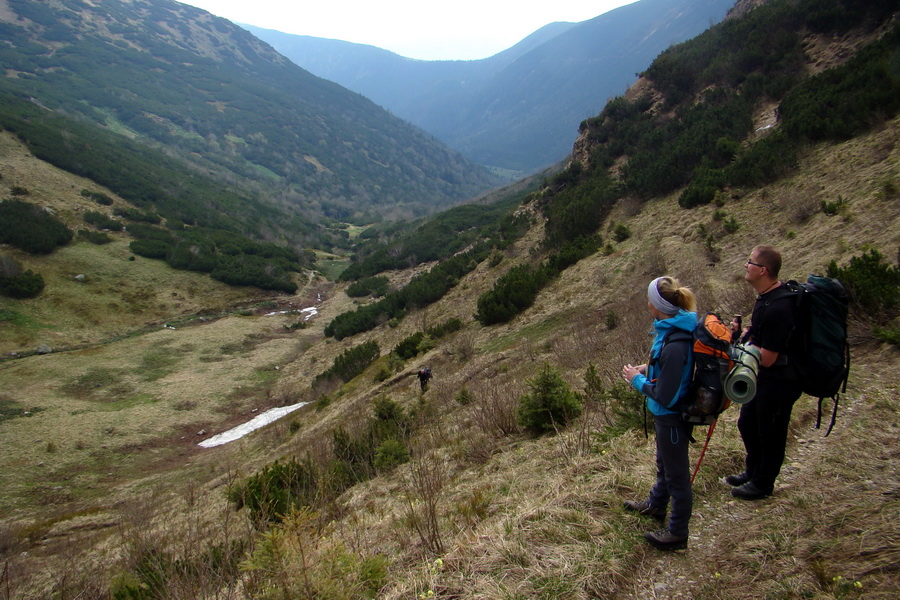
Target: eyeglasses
{"points": [[750, 262]]}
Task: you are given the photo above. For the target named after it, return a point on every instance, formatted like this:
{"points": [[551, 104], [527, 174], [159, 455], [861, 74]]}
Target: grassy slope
{"points": [[118, 295], [518, 518]]}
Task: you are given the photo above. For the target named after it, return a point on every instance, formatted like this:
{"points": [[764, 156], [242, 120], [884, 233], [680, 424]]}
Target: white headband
{"points": [[658, 302]]}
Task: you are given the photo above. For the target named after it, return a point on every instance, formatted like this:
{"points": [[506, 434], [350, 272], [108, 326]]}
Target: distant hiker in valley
{"points": [[665, 380], [424, 376], [763, 422]]}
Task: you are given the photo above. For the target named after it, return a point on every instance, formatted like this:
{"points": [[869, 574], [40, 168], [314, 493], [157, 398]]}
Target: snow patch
{"points": [[255, 423], [310, 312]]}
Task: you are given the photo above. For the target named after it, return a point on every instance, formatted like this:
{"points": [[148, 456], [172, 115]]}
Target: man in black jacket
{"points": [[764, 421]]}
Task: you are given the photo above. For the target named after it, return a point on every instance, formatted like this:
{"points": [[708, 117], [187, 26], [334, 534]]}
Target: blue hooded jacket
{"points": [[669, 371]]}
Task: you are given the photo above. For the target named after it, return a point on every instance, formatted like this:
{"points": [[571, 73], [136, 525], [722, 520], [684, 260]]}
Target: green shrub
{"points": [[464, 397], [409, 346], [368, 286], [94, 237], [383, 373], [578, 210], [228, 257], [495, 258], [439, 238], [512, 294], [301, 324], [158, 249], [611, 320], [24, 285], [275, 490], [833, 208], [516, 291], [621, 232], [374, 573], [140, 216], [100, 198], [873, 284], [389, 454], [444, 328], [356, 452], [849, 99], [426, 344], [573, 251], [730, 225], [550, 404], [245, 269], [353, 361], [101, 221], [31, 228], [621, 405], [889, 334], [702, 188]]}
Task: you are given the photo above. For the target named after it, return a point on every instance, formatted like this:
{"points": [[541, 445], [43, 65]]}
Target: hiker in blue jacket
{"points": [[664, 381]]}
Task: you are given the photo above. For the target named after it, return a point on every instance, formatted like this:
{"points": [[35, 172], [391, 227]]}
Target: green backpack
{"points": [[818, 349]]}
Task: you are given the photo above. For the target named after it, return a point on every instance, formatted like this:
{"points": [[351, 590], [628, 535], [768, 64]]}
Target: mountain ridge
{"points": [[515, 109], [177, 77]]}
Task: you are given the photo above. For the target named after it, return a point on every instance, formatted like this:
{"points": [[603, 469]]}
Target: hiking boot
{"points": [[644, 508], [738, 479], [749, 491], [666, 540]]}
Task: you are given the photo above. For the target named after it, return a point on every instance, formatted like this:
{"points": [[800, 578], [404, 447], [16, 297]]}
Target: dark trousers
{"points": [[763, 425], [673, 471]]}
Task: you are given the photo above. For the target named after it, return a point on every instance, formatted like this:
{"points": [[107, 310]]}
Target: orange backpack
{"points": [[713, 352]]}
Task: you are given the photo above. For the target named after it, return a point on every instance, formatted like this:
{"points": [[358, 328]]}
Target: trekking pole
{"points": [[703, 452]]}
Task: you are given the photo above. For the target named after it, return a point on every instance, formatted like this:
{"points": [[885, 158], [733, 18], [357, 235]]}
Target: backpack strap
{"points": [[793, 291], [673, 335], [833, 414]]}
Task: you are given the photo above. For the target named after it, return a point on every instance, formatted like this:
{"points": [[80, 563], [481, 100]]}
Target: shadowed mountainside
{"points": [[516, 109]]}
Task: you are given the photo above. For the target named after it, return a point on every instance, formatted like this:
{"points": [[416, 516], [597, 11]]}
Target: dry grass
{"points": [[118, 296], [508, 516]]}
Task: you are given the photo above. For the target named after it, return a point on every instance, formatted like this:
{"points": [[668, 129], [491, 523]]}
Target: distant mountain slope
{"points": [[195, 86], [519, 109]]}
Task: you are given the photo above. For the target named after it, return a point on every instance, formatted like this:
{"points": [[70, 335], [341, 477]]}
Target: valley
{"points": [[116, 368]]}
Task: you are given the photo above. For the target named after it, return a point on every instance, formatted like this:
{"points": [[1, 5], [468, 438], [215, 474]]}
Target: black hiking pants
{"points": [[763, 425], [673, 471]]}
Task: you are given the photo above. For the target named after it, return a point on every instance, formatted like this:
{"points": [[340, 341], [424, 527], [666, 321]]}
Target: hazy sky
{"points": [[453, 29]]}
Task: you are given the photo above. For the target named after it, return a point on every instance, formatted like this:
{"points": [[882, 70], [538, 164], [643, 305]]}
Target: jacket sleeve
{"points": [[672, 361]]}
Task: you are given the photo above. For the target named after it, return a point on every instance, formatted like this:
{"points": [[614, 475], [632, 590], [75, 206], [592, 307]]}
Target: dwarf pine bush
{"points": [[550, 403], [874, 285]]}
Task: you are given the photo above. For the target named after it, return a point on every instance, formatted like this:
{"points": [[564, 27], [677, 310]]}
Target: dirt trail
{"points": [[738, 544]]}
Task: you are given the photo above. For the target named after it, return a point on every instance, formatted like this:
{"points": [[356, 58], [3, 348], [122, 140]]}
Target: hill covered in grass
{"points": [[376, 489]]}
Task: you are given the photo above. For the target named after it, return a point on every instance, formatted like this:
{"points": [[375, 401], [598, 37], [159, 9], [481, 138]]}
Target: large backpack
{"points": [[712, 351], [714, 362], [818, 350]]}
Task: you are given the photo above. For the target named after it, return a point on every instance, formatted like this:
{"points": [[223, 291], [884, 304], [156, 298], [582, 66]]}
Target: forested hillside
{"points": [[172, 85]]}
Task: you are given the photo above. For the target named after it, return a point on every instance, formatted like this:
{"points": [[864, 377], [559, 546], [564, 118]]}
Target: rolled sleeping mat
{"points": [[740, 383]]}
